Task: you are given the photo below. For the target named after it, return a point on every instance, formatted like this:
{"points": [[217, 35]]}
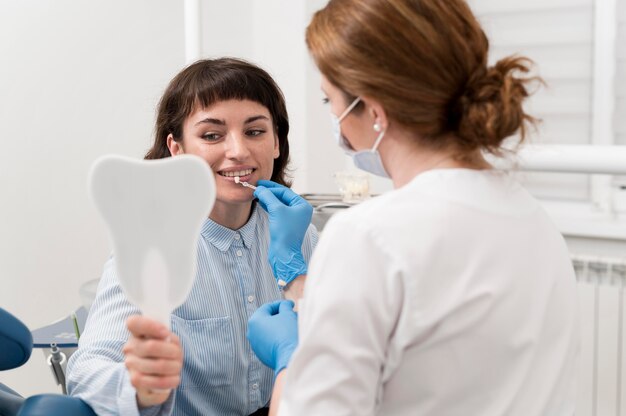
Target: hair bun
{"points": [[490, 109]]}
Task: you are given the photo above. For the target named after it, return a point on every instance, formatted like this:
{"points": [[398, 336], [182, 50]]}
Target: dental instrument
{"points": [[244, 183], [57, 362], [154, 211]]}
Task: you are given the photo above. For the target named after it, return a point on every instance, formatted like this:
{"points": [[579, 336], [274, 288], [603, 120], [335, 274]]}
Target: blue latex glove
{"points": [[273, 333], [290, 216]]}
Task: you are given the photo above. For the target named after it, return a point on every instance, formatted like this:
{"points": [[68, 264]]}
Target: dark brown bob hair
{"points": [[208, 81]]}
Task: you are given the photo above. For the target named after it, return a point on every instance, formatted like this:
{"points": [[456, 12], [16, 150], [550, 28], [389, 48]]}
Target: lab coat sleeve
{"points": [[96, 372], [351, 304]]}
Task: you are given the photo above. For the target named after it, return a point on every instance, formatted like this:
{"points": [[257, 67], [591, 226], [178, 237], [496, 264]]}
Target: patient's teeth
{"points": [[154, 211], [237, 173]]}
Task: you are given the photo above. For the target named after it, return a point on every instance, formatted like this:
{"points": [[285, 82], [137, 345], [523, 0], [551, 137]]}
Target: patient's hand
{"points": [[154, 358]]}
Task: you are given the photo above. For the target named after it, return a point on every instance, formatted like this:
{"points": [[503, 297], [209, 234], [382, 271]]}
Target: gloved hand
{"points": [[290, 216], [273, 333]]}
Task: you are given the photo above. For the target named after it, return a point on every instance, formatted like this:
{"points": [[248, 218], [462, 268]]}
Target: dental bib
{"points": [[154, 211]]}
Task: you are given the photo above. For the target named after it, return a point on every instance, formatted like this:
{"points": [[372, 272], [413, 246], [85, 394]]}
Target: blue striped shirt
{"points": [[220, 375]]}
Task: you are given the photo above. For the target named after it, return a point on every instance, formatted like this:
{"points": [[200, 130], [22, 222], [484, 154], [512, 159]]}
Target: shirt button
{"points": [[237, 236], [250, 299], [255, 386], [239, 253]]}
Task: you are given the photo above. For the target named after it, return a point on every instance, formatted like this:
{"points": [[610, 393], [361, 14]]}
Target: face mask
{"points": [[367, 160]]}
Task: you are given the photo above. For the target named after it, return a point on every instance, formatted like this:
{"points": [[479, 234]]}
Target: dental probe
{"points": [[243, 183]]}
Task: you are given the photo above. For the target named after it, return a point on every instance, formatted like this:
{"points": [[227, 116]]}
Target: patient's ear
{"points": [[176, 148], [276, 147]]}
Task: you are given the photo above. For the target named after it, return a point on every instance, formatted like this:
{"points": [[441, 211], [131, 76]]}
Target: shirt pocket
{"points": [[208, 351]]}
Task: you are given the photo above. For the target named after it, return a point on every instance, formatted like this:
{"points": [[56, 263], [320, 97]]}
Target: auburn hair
{"points": [[425, 61]]}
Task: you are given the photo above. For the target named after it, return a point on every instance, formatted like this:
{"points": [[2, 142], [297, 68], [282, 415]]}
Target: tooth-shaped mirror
{"points": [[154, 211]]}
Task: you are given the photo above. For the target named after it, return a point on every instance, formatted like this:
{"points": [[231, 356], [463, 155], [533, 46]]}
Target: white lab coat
{"points": [[454, 295]]}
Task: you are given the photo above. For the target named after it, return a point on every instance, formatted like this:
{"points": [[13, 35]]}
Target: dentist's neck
{"points": [[404, 159]]}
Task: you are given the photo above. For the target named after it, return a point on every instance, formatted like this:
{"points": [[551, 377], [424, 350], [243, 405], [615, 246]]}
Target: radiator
{"points": [[601, 283]]}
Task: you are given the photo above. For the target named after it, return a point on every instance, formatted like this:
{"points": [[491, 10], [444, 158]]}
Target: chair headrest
{"points": [[16, 342]]}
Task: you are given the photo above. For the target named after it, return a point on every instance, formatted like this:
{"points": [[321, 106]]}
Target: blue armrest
{"points": [[54, 405], [16, 345], [10, 401], [16, 342]]}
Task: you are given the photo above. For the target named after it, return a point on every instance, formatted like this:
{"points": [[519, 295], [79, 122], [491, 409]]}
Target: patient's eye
{"points": [[211, 137], [255, 132]]}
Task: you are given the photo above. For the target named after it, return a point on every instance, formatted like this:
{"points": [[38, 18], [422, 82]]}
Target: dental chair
{"points": [[16, 344]]}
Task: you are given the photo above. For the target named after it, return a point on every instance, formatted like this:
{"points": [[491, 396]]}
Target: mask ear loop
{"points": [[350, 107]]}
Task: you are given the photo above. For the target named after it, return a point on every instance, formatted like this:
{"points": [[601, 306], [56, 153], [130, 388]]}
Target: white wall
{"points": [[77, 80], [620, 118]]}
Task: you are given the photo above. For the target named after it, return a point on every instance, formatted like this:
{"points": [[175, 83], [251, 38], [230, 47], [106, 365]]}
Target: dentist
{"points": [[454, 293]]}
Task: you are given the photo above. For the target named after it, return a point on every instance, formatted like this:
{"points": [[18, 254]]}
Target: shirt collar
{"points": [[222, 237]]}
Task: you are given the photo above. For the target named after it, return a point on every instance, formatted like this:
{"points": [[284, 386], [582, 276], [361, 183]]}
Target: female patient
{"points": [[233, 115]]}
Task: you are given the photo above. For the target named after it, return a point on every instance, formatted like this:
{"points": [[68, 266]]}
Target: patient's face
{"points": [[236, 138]]}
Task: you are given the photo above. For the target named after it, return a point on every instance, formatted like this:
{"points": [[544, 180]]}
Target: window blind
{"points": [[620, 82], [558, 36]]}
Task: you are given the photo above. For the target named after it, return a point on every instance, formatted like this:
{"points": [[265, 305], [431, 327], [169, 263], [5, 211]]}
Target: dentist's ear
{"points": [[174, 147], [376, 113]]}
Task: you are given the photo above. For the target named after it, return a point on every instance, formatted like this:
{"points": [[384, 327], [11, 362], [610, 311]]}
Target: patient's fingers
{"points": [[154, 348], [155, 367], [154, 358], [152, 397], [144, 327], [146, 382]]}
